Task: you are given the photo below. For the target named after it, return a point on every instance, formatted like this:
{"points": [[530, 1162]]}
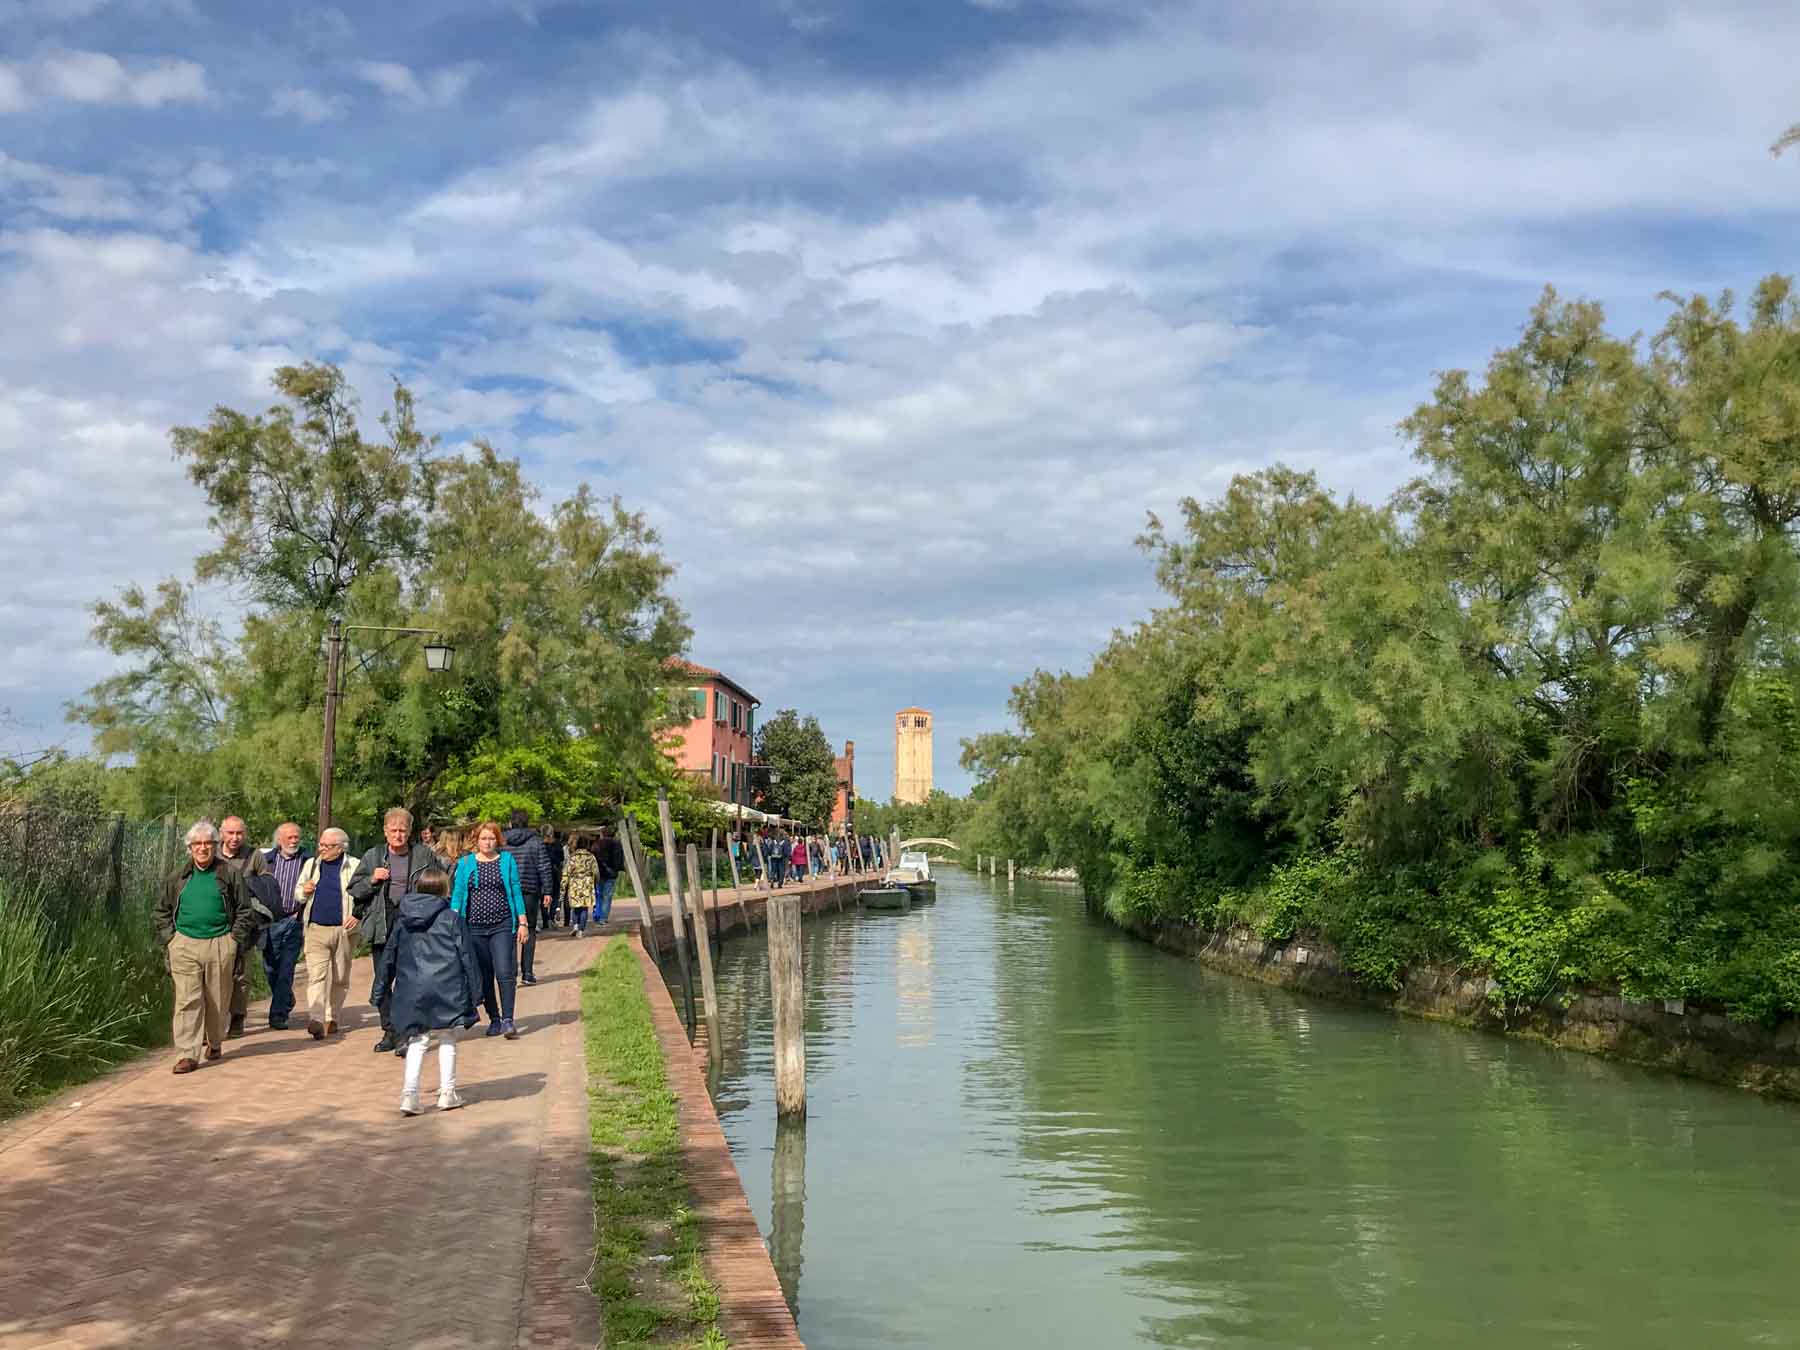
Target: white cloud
{"points": [[308, 105], [438, 88], [97, 77], [13, 97]]}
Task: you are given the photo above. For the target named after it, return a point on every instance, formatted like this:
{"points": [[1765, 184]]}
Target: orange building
{"points": [[846, 785], [716, 743]]}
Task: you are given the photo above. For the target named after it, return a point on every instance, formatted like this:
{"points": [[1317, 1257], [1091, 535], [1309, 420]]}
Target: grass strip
{"points": [[648, 1271]]}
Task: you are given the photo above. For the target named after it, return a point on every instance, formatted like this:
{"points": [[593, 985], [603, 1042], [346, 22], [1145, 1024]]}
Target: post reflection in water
{"points": [[1026, 1129], [787, 1208]]}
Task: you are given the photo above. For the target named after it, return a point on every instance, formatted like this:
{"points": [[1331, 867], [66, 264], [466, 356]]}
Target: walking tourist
{"points": [[202, 917], [426, 982], [558, 911], [281, 940], [580, 879], [449, 846], [486, 892], [777, 846], [609, 856], [236, 854], [533, 859], [330, 926], [382, 878], [798, 855]]}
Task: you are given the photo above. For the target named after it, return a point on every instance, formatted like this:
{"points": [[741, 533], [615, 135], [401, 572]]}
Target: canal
{"points": [[1028, 1130]]}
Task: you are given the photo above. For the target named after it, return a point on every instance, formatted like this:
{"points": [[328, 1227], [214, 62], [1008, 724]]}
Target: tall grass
{"points": [[78, 993]]}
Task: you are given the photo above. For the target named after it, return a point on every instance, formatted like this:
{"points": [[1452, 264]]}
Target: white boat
{"points": [[913, 871]]}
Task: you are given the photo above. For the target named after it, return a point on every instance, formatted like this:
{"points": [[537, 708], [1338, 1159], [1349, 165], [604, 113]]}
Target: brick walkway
{"points": [[278, 1197]]}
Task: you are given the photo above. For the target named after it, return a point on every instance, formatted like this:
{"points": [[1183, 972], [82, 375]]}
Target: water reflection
{"points": [[1026, 1130]]}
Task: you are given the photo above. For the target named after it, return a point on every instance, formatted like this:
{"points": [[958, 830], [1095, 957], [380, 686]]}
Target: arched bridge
{"points": [[914, 843]]}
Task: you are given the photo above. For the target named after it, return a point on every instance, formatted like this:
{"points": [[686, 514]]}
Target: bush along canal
{"points": [[1028, 1128]]}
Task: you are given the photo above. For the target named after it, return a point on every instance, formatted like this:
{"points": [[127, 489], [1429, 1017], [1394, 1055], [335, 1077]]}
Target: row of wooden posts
{"points": [[992, 865], [687, 905]]}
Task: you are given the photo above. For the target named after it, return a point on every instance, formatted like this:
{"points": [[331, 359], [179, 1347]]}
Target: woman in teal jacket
{"points": [[486, 893]]}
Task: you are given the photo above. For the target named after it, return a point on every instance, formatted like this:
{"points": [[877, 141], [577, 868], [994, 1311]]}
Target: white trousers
{"points": [[415, 1059]]}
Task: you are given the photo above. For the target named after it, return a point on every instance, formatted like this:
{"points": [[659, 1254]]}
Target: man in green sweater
{"points": [[203, 919]]}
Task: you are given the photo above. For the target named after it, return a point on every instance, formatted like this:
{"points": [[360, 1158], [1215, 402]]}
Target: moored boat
{"points": [[886, 897], [913, 871]]}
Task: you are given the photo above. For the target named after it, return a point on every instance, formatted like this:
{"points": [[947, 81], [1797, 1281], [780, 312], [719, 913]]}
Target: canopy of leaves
{"points": [[560, 621], [797, 751], [1545, 692]]}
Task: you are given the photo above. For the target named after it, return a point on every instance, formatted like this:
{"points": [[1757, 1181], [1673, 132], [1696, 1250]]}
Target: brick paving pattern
{"points": [[278, 1197]]}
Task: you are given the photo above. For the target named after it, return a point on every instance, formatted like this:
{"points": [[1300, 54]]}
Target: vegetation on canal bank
{"points": [[648, 1271], [1538, 714], [79, 992]]}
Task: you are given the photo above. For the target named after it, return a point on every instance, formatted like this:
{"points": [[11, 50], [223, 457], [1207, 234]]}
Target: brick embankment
{"points": [[831, 893], [752, 1311], [278, 1197]]}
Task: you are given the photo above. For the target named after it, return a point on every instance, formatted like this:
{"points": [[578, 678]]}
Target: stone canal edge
{"points": [[752, 1311]]}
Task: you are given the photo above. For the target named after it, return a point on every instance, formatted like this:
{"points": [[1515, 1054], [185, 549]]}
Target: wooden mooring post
{"points": [[672, 861], [990, 864], [737, 887], [709, 991], [630, 845], [788, 990], [1009, 871]]}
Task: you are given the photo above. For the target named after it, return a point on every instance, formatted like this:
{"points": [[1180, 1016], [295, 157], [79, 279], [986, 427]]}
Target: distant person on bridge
{"points": [[202, 917]]}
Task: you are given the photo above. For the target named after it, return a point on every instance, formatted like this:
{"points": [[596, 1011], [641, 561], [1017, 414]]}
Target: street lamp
{"points": [[438, 655]]}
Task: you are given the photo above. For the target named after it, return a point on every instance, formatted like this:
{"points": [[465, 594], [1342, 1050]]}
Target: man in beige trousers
{"points": [[203, 919], [330, 925]]}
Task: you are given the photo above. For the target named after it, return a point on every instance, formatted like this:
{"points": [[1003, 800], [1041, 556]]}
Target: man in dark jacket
{"points": [[384, 875], [553, 845], [426, 981], [533, 858], [236, 853], [609, 853], [203, 917]]}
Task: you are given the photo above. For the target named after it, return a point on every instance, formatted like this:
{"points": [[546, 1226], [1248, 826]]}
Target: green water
{"points": [[1027, 1130]]}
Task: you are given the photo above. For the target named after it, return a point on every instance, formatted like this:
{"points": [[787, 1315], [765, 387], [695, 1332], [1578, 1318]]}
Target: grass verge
{"points": [[648, 1272]]}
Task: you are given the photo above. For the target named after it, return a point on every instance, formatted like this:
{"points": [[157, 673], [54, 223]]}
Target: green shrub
{"points": [[75, 996]]}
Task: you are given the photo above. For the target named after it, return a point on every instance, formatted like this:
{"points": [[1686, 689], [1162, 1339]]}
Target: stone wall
{"points": [[1681, 1037]]}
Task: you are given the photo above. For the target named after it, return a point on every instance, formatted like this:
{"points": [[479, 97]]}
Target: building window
{"points": [[718, 706], [697, 697], [749, 721], [919, 722]]}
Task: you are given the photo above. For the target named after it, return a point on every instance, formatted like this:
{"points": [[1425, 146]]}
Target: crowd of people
{"points": [[451, 917]]}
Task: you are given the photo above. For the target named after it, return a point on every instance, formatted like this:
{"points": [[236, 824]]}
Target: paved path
{"points": [[278, 1197]]}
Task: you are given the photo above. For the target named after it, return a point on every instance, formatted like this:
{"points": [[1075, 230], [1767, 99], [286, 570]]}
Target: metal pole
{"points": [[334, 655]]}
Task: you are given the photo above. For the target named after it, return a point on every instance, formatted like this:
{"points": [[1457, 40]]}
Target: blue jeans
{"points": [[497, 955], [281, 944], [578, 916], [603, 894]]}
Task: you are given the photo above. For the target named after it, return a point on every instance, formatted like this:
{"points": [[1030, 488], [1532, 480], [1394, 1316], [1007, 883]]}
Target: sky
{"points": [[895, 320]]}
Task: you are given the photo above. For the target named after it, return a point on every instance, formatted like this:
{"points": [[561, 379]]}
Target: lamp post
{"points": [[438, 656]]}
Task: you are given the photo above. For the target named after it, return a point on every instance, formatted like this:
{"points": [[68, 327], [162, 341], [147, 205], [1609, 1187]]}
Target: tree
{"points": [[798, 752], [560, 621]]}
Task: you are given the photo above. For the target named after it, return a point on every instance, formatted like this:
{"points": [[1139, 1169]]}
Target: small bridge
{"points": [[913, 843]]}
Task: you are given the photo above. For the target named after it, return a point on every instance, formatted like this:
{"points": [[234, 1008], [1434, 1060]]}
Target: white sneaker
{"points": [[449, 1100], [409, 1104]]}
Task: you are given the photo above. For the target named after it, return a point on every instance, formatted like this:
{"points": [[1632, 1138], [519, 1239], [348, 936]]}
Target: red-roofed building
{"points": [[717, 740]]}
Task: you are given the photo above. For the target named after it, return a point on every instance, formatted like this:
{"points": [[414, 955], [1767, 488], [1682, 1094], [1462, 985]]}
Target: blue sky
{"points": [[906, 314]]}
